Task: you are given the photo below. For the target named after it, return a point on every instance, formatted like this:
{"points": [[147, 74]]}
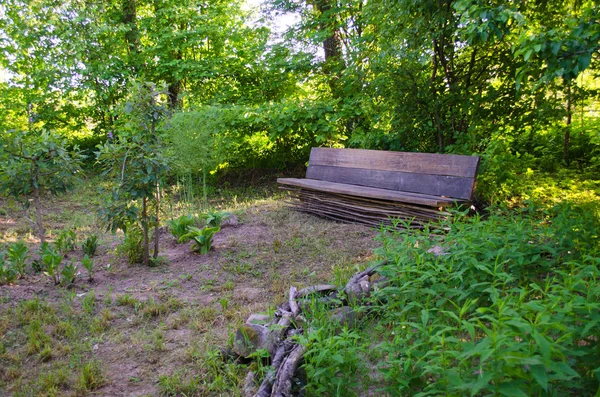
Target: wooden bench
{"points": [[372, 186]]}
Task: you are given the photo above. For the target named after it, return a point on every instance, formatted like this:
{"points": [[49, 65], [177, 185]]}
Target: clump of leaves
{"points": [[215, 218], [90, 245], [66, 240], [7, 273], [52, 261], [17, 255], [88, 264], [179, 227], [69, 274], [201, 237], [132, 246]]}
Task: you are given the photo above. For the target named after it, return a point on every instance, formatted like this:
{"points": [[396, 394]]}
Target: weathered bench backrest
{"points": [[425, 173]]}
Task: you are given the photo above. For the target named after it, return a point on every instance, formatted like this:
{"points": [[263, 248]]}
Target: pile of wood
{"points": [[276, 333], [366, 211]]}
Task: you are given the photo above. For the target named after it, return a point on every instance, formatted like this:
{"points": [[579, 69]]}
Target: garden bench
{"points": [[371, 186]]}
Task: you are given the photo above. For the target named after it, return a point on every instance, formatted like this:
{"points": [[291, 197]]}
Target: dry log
{"points": [[354, 290], [293, 304], [267, 384], [322, 289], [249, 385], [283, 384]]}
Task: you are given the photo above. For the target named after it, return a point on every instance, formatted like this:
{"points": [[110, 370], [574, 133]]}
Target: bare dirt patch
{"points": [[154, 330]]}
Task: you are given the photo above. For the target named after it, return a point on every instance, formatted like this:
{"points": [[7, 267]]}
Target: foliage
{"points": [[179, 227], [88, 264], [68, 274], [17, 255], [512, 295], [133, 158], [132, 245], [201, 237], [52, 261], [215, 218], [7, 272], [66, 241], [32, 164], [90, 245]]}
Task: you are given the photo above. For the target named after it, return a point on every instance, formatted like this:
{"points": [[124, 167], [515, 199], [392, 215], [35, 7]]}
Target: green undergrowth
{"points": [[506, 304]]}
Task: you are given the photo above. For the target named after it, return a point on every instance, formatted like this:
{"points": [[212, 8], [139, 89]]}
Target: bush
{"points": [[90, 245], [510, 307], [132, 246], [201, 237]]}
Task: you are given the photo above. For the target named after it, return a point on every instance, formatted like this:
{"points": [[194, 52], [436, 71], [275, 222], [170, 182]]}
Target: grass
{"points": [[152, 331]]}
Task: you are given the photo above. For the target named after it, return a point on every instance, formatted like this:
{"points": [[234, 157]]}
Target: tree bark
{"points": [[37, 204], [332, 44], [146, 248], [157, 224], [567, 140]]}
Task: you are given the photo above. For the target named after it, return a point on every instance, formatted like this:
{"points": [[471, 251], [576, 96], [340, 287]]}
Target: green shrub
{"points": [[132, 246], [90, 245], [179, 227], [510, 307], [17, 255], [201, 237]]}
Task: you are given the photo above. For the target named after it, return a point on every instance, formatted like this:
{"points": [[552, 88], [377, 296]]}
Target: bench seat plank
{"points": [[370, 192], [435, 185]]}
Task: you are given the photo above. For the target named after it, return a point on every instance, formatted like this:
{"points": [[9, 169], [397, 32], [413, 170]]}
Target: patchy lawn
{"points": [[137, 331]]}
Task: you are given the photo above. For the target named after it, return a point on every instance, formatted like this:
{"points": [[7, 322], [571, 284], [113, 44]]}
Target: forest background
{"points": [[513, 82]]}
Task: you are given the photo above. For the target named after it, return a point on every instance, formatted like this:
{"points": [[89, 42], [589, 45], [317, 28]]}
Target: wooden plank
{"points": [[435, 185], [419, 163], [370, 192]]}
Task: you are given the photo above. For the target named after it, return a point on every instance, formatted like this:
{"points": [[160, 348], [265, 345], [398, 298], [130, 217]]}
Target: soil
{"points": [[248, 270]]}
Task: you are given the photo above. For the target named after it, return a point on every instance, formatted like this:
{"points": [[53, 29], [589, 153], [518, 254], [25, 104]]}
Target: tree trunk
{"points": [[157, 224], [332, 44], [37, 204], [567, 140], [146, 248], [132, 34]]}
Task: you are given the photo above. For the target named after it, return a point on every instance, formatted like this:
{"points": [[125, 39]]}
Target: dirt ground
{"points": [[154, 330]]}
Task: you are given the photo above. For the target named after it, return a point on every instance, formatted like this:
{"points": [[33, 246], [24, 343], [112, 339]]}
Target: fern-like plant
{"points": [[90, 245], [179, 227], [202, 238], [17, 255]]}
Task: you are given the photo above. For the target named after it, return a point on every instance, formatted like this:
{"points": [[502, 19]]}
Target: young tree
{"points": [[34, 164], [134, 158]]}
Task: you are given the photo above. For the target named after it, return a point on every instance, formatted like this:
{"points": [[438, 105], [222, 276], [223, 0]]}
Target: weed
{"points": [[69, 274], [17, 255], [179, 227], [127, 300], [91, 377], [224, 302], [215, 218], [132, 245], [52, 261], [88, 264], [202, 238], [88, 303], [177, 385], [90, 245], [229, 285], [66, 241], [7, 273], [54, 381]]}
